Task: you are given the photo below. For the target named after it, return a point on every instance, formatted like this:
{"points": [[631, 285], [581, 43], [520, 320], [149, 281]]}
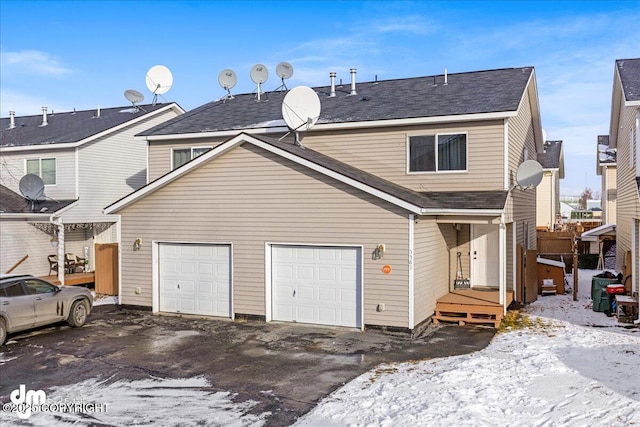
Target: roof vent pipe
{"points": [[353, 81], [44, 116], [332, 75], [98, 113], [445, 77], [12, 116]]}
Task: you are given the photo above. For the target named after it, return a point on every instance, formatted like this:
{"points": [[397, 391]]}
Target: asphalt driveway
{"points": [[298, 364]]}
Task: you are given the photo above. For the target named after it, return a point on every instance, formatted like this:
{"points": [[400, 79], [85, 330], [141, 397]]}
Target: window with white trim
{"points": [[437, 153], [44, 168], [184, 155]]}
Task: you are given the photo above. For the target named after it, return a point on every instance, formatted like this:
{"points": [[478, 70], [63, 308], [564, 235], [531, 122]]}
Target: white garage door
{"points": [[195, 279], [316, 284]]}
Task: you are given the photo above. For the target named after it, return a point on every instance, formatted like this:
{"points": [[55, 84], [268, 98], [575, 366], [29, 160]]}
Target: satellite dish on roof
{"points": [[227, 79], [284, 70], [301, 109], [159, 80], [32, 188], [529, 174], [259, 75], [133, 96]]}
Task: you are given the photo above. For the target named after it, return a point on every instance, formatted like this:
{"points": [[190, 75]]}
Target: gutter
{"points": [[468, 212]]}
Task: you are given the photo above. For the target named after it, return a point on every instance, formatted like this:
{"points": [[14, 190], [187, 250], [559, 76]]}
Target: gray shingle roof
{"points": [[550, 158], [629, 70], [466, 93], [606, 154], [11, 202], [66, 127]]}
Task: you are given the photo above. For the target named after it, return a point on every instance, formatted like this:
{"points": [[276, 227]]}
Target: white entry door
{"points": [[317, 284], [195, 279], [485, 255]]}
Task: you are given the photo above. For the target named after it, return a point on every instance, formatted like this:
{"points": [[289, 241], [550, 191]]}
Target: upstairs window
{"points": [[184, 155], [44, 168], [438, 153]]}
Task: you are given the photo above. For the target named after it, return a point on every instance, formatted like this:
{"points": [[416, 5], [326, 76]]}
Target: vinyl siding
{"points": [[432, 246], [110, 168], [13, 167], [161, 153], [628, 203], [20, 238], [544, 201], [609, 195], [248, 197]]}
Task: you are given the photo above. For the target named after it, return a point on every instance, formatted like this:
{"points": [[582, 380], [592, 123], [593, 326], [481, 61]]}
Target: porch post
{"points": [[503, 263], [61, 260]]}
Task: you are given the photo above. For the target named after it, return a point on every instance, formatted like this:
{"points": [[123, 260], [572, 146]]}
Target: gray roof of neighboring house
{"points": [[550, 158], [605, 154], [629, 70], [465, 93], [68, 126], [12, 202], [427, 200]]}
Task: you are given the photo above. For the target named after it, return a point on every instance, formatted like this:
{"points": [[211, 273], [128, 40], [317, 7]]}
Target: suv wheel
{"points": [[78, 314], [3, 331]]}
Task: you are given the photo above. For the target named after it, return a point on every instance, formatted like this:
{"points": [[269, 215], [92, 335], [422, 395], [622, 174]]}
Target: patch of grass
{"points": [[381, 371], [514, 319]]}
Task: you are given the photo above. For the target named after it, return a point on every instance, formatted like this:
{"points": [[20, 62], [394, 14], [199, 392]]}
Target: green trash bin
{"points": [[599, 293]]}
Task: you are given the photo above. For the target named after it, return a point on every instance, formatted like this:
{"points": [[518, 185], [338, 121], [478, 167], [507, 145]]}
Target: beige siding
{"points": [[609, 195], [13, 167], [20, 238], [161, 153], [628, 201], [432, 246], [544, 201], [248, 197]]}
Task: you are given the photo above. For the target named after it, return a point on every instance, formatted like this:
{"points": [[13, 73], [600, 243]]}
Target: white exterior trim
{"points": [[502, 279], [514, 258], [344, 125], [77, 171], [506, 154], [119, 240], [411, 271], [64, 145], [268, 291]]}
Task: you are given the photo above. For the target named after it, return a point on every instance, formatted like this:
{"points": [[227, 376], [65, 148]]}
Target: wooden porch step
{"points": [[464, 315]]}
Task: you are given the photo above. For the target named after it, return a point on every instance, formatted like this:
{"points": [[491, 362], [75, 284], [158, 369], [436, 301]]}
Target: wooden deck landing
{"points": [[73, 279], [471, 306]]}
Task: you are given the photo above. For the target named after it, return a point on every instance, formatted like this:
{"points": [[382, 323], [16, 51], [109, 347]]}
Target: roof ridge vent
{"points": [[44, 117]]}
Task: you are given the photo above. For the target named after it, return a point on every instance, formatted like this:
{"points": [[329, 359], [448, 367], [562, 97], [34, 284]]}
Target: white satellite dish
{"points": [[159, 80], [529, 174], [227, 79], [259, 74], [32, 188], [284, 70], [133, 96], [301, 109]]}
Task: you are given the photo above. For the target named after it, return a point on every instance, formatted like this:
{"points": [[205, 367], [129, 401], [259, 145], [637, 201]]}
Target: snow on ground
{"points": [[570, 366], [567, 366]]}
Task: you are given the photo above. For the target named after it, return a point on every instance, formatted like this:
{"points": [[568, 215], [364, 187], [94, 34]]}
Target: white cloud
{"points": [[406, 24], [27, 105], [32, 62]]}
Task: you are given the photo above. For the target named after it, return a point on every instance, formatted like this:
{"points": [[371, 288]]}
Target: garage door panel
{"points": [[321, 285], [195, 279]]}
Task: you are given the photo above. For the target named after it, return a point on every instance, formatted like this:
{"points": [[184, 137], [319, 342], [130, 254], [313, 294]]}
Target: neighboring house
{"points": [[606, 168], [360, 226], [89, 157], [624, 136], [548, 192]]}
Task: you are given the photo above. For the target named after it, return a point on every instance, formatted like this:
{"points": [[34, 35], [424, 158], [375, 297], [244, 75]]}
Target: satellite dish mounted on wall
{"points": [[134, 97], [300, 110], [284, 70], [159, 80], [259, 75], [227, 79], [529, 174], [32, 188]]}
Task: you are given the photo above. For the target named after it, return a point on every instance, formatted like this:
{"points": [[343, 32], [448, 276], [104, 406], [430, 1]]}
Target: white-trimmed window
{"points": [[44, 168], [181, 156], [437, 153]]}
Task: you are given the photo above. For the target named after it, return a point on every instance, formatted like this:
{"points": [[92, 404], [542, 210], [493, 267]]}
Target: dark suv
{"points": [[28, 302]]}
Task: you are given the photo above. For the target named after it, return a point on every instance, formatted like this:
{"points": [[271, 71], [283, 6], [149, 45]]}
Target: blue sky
{"points": [[66, 54]]}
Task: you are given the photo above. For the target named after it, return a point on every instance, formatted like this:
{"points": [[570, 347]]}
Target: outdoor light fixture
{"points": [[54, 241], [137, 243]]}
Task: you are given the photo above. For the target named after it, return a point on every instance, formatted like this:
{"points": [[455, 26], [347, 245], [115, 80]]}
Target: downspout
{"points": [[502, 244], [57, 222]]}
